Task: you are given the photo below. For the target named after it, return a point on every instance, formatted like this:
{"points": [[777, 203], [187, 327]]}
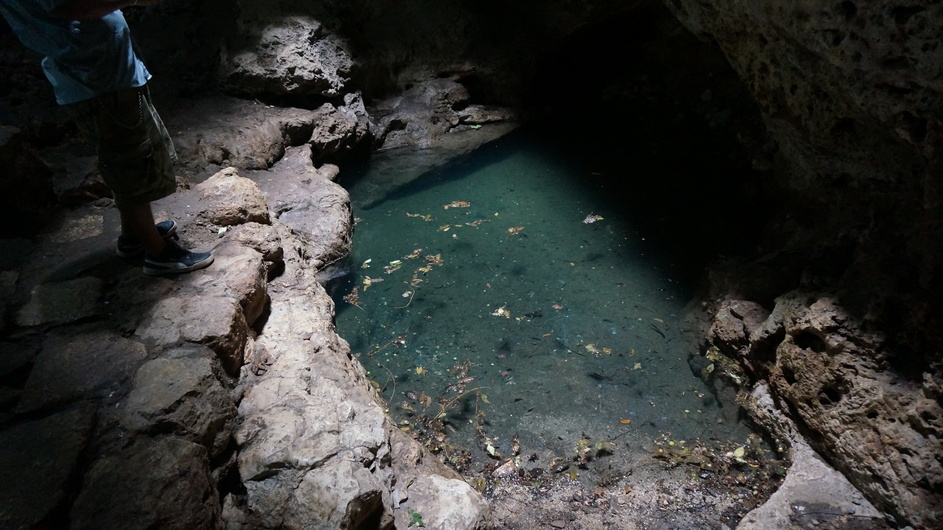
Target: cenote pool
{"points": [[526, 300]]}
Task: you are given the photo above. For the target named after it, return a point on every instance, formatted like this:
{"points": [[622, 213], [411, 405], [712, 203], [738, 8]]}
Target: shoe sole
{"points": [[152, 269]]}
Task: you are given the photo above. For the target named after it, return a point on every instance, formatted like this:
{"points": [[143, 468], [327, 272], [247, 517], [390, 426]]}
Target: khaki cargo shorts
{"points": [[135, 152]]}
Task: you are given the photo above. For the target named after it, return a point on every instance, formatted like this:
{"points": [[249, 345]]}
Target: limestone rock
{"points": [[306, 200], [163, 483], [340, 494], [263, 238], [826, 368], [61, 302], [290, 54], [441, 502], [75, 366], [38, 461], [203, 135], [79, 228], [237, 272], [339, 129], [215, 321], [228, 199], [180, 392], [812, 491]]}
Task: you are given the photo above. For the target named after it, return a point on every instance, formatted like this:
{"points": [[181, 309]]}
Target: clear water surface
{"points": [[548, 277]]}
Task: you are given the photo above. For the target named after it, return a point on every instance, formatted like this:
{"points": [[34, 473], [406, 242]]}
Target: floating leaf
{"points": [[638, 366], [501, 312], [426, 218], [625, 422], [366, 264], [592, 218], [425, 400], [457, 204], [514, 230], [420, 370], [739, 452]]}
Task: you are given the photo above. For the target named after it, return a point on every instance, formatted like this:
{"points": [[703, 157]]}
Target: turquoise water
{"points": [[553, 280]]}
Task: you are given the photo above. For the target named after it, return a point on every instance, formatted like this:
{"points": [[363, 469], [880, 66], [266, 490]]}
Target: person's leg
{"points": [[138, 221]]}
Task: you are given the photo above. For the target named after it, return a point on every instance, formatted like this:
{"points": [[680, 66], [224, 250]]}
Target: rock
{"points": [[215, 321], [61, 302], [340, 494], [294, 55], [307, 201], [204, 135], [481, 114], [8, 281], [80, 228], [228, 199], [163, 483], [78, 366], [339, 130], [263, 238], [443, 503], [238, 272], [38, 461], [827, 369], [812, 488], [17, 356], [180, 392]]}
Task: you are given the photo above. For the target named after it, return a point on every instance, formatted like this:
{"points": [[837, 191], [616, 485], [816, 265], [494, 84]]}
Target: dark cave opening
{"points": [[670, 129]]}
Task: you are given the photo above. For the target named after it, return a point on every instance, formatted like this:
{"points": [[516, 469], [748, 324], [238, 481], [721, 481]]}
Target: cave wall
{"points": [[853, 95], [840, 311]]}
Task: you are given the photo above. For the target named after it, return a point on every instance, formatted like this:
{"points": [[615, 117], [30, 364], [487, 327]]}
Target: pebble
{"points": [[559, 523]]}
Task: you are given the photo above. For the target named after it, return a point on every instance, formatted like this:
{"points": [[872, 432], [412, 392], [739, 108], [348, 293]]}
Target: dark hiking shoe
{"points": [[129, 247], [175, 260]]}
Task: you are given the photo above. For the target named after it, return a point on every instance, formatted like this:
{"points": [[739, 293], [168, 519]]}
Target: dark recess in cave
{"points": [[659, 113]]}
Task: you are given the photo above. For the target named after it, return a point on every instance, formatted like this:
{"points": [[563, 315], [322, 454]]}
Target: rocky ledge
{"points": [[222, 398]]}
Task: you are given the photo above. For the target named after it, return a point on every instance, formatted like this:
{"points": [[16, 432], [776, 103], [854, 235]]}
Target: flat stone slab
{"points": [[80, 366], [61, 302], [37, 461]]}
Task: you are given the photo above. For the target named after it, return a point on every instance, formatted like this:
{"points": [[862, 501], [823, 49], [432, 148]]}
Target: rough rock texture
{"points": [[851, 94], [163, 483], [42, 455], [229, 200], [282, 54], [228, 384], [813, 493], [203, 134], [308, 201], [883, 431]]}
